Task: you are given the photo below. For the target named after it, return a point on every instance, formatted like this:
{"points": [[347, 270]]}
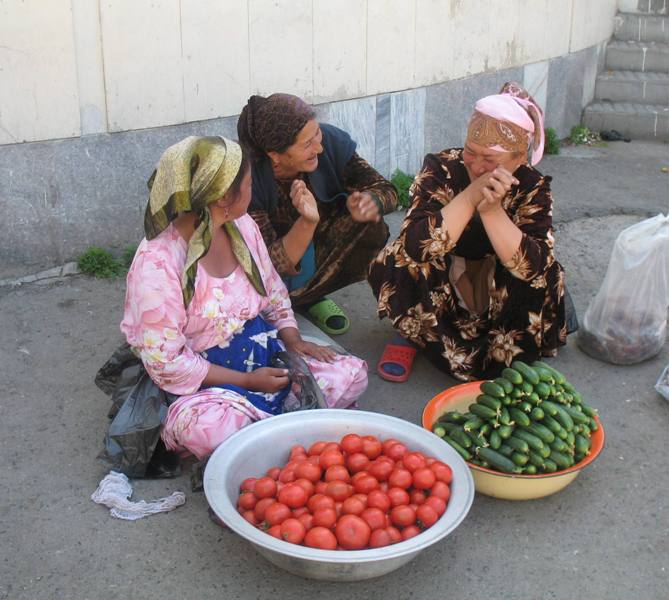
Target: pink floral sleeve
{"points": [[279, 311], [155, 317]]}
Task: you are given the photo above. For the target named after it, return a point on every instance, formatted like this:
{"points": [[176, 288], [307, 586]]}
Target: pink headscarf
{"points": [[514, 105]]}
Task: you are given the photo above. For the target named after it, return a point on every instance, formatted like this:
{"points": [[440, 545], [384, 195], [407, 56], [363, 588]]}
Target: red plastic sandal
{"points": [[398, 355]]}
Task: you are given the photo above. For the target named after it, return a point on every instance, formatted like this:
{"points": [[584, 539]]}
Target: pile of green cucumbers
{"points": [[529, 421]]}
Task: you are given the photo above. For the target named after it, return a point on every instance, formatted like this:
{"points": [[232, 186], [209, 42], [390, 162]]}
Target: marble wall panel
{"points": [[535, 81], [358, 118], [407, 130]]}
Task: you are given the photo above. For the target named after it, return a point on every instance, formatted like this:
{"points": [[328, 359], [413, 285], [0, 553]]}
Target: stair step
{"points": [[637, 56], [637, 121], [641, 28], [658, 7], [644, 87]]}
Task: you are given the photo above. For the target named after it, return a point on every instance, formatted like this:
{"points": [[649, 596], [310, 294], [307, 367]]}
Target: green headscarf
{"points": [[190, 176]]}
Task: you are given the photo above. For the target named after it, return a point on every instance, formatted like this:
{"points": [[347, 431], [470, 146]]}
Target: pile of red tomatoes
{"points": [[356, 494]]}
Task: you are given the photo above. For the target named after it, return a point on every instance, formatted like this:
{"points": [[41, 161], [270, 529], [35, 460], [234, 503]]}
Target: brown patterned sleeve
{"points": [[274, 244], [360, 175], [533, 216]]}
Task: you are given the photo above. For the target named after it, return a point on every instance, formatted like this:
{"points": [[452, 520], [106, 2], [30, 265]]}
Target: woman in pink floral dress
{"points": [[206, 310]]}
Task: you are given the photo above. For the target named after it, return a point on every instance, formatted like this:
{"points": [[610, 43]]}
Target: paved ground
{"points": [[605, 536]]}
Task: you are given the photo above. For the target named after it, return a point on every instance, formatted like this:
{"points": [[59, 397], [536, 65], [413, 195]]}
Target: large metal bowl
{"points": [[256, 448]]}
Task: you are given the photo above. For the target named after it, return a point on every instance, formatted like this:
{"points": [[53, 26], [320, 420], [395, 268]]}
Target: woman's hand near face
{"points": [[496, 186], [362, 207], [304, 201]]}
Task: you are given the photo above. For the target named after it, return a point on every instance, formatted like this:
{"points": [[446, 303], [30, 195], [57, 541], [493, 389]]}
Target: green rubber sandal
{"points": [[324, 310]]}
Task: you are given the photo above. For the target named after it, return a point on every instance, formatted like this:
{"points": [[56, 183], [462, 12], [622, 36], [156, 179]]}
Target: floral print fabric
{"points": [[171, 338], [525, 315]]}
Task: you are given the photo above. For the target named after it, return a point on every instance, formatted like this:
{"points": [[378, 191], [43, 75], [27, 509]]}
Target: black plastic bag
{"points": [[132, 444], [304, 391]]}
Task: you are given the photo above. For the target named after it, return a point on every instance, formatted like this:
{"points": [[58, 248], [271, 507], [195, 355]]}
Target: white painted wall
{"points": [[73, 67]]}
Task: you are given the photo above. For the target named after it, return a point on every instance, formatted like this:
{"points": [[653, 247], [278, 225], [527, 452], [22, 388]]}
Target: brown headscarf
{"points": [[271, 124]]}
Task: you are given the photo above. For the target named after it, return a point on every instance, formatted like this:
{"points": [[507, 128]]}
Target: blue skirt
{"points": [[248, 350]]}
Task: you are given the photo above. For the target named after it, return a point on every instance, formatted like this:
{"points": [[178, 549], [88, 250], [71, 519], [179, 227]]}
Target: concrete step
{"points": [[637, 56], [643, 87], [637, 121], [641, 28], [657, 7]]}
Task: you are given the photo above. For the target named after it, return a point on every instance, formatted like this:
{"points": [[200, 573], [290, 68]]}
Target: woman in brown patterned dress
{"points": [[318, 204], [472, 278]]}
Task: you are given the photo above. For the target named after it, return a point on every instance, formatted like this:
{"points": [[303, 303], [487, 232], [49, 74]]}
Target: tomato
{"points": [[275, 514], [371, 446], [331, 457], [298, 458], [352, 532], [361, 497], [320, 537], [388, 443], [383, 486], [307, 519], [378, 499], [365, 484], [394, 533], [292, 531], [318, 501], [287, 474], [274, 472], [398, 496], [441, 490], [396, 451], [316, 448], [306, 485], [424, 478], [248, 485], [380, 538], [430, 460], [403, 515], [247, 501], [417, 497], [261, 506], [400, 478], [426, 516], [265, 487], [410, 531], [338, 506], [413, 461], [275, 531], [339, 490], [351, 443], [250, 516], [357, 462], [352, 506], [324, 517], [438, 504], [298, 512], [374, 517], [297, 449], [337, 473], [442, 471], [308, 470], [320, 487], [293, 496], [314, 459], [381, 469]]}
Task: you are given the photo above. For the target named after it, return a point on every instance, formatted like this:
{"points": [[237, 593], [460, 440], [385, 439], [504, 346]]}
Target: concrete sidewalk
{"points": [[605, 536]]}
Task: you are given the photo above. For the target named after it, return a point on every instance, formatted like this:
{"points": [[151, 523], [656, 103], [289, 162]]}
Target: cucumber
{"points": [[505, 431], [576, 397], [483, 411], [516, 393], [458, 448], [498, 460], [559, 445], [544, 374], [537, 414], [542, 432], [439, 430], [473, 423], [588, 410], [520, 459], [476, 440], [504, 383], [453, 417], [518, 444], [512, 375], [492, 403], [485, 430], [506, 450], [535, 399], [504, 416], [593, 425], [460, 437], [532, 440], [546, 452], [530, 470], [542, 389], [536, 459], [549, 466], [495, 440], [549, 408], [527, 388], [571, 441], [519, 417], [576, 415], [527, 372], [585, 431], [564, 418], [551, 424], [492, 389], [559, 377], [582, 445], [561, 460], [525, 406]]}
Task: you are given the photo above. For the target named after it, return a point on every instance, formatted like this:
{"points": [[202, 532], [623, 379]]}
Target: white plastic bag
{"points": [[662, 385], [626, 322]]}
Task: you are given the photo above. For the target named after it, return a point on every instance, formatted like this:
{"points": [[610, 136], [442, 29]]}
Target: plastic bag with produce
{"points": [[662, 385], [626, 322]]}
